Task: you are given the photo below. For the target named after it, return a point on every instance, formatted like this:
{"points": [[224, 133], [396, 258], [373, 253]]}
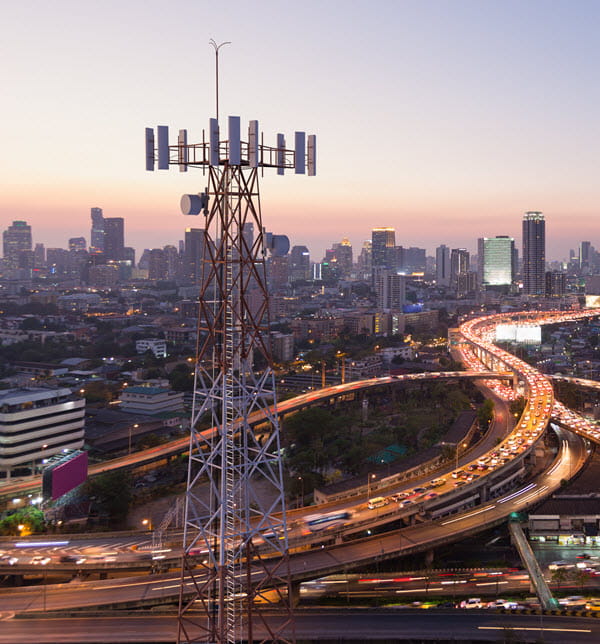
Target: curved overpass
{"points": [[313, 398]]}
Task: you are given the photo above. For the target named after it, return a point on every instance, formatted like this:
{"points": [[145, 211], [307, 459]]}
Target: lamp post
{"points": [[301, 504], [369, 477], [130, 428], [464, 446], [147, 523]]}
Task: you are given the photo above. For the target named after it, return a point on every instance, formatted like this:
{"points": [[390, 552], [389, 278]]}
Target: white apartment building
{"points": [[37, 423], [151, 400], [156, 345]]}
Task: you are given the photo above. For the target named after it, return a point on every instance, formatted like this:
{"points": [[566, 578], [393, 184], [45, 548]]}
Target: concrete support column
{"points": [[429, 558], [484, 493], [294, 591]]}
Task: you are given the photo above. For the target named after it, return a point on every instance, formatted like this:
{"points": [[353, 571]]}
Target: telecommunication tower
{"points": [[235, 559]]}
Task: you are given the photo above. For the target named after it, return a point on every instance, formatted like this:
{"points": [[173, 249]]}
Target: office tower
{"points": [[114, 237], [172, 262], [278, 272], [129, 255], [157, 264], [390, 291], [194, 245], [57, 261], [496, 261], [97, 233], [77, 243], [459, 263], [442, 265], [383, 242], [556, 283], [39, 256], [364, 258], [38, 423], [534, 253], [343, 257], [299, 264], [585, 257], [413, 259], [248, 233], [16, 239]]}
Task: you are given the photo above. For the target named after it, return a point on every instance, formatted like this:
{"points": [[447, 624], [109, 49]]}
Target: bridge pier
{"points": [[429, 556], [484, 493], [294, 593]]}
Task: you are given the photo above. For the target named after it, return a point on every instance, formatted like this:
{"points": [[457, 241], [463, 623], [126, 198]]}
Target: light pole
{"points": [[301, 504], [464, 446], [130, 428], [369, 477], [147, 523]]}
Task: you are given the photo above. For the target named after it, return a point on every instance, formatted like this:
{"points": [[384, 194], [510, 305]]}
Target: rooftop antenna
{"points": [[217, 47]]}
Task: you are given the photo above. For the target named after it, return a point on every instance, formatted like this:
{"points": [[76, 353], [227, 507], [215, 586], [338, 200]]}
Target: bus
{"points": [[317, 522]]}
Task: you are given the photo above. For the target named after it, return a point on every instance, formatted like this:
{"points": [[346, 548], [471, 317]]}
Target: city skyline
{"points": [[462, 116]]}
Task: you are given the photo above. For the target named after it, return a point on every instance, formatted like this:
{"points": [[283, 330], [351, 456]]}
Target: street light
{"points": [[130, 428], [369, 477], [147, 523], [301, 504], [464, 446]]}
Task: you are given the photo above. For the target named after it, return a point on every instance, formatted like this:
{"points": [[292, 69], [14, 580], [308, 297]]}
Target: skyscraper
{"points": [[496, 260], [97, 233], [299, 265], [194, 252], [442, 265], [114, 237], [343, 256], [16, 240], [390, 291], [534, 253], [383, 241], [585, 256]]}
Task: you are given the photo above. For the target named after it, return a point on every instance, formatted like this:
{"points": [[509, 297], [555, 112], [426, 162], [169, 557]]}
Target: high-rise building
{"points": [[194, 252], [299, 264], [172, 261], [383, 242], [16, 239], [585, 257], [343, 256], [459, 263], [534, 253], [556, 283], [77, 243], [442, 265], [391, 291], [114, 237], [97, 232], [157, 266], [39, 256], [413, 259], [496, 260], [38, 423]]}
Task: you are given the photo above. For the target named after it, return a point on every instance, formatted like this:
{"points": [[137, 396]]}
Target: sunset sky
{"points": [[444, 119]]}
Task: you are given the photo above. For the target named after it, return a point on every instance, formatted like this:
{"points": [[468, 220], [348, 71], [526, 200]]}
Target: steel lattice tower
{"points": [[235, 537]]}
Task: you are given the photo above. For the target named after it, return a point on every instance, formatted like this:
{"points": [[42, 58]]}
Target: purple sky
{"points": [[446, 120]]}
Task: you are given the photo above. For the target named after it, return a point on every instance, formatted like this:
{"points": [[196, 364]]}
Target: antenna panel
{"points": [[300, 153], [162, 132], [312, 155], [182, 151], [149, 149], [214, 142], [235, 146], [280, 153], [253, 144]]}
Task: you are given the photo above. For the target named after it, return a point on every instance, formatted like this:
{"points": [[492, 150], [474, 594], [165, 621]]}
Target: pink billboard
{"points": [[68, 475]]}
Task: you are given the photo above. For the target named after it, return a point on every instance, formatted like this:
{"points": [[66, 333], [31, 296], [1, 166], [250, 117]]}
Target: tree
{"points": [[31, 518], [559, 576], [112, 493], [485, 413]]}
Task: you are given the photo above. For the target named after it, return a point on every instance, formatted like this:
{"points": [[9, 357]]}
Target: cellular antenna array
{"points": [[235, 536]]}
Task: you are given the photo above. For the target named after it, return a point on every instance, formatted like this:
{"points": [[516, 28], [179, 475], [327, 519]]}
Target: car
{"points": [[572, 600], [593, 604], [472, 602], [8, 560], [431, 495], [420, 490], [556, 565], [40, 560], [459, 483]]}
